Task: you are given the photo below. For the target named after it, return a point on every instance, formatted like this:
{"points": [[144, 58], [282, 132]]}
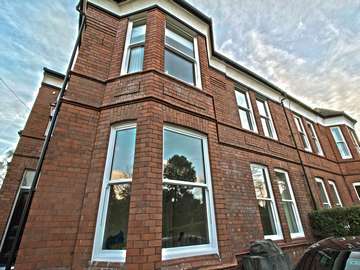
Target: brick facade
{"points": [[61, 224]]}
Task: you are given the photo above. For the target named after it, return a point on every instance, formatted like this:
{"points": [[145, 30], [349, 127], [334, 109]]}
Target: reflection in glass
{"points": [[261, 188], [290, 216], [117, 217], [267, 218], [184, 216], [323, 196], [124, 151], [283, 186], [28, 178], [183, 157], [245, 119], [185, 45], [241, 99], [179, 67], [138, 33]]}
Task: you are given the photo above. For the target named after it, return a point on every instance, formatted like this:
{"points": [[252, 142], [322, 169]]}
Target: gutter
{"points": [[81, 7]]}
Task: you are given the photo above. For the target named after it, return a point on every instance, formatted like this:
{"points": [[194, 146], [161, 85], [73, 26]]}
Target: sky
{"points": [[311, 49]]}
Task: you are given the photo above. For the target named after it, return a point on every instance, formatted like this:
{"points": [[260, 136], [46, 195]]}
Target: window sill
{"points": [[117, 256], [297, 235], [187, 251], [274, 237]]}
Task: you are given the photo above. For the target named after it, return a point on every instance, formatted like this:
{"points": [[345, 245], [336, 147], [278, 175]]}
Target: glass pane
{"points": [[267, 218], [183, 157], [179, 67], [261, 188], [184, 216], [304, 140], [343, 149], [241, 99], [298, 124], [117, 217], [185, 45], [266, 127], [245, 119], [136, 59], [28, 178], [262, 108], [283, 186], [290, 217], [334, 195], [357, 188], [124, 151], [138, 33], [337, 134], [322, 193], [13, 227]]}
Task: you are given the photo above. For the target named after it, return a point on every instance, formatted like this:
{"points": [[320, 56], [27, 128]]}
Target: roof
{"points": [[54, 73], [326, 113]]}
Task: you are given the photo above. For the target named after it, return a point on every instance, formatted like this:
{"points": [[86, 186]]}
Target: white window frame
{"points": [[334, 187], [128, 46], [355, 139], [52, 111], [98, 253], [279, 235], [248, 110], [341, 141], [315, 138], [294, 204], [195, 60], [268, 118], [356, 184], [302, 131], [196, 250], [321, 181], [21, 187]]}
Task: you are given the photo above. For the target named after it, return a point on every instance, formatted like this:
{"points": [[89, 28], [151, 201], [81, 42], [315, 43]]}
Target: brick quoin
{"points": [[60, 229]]}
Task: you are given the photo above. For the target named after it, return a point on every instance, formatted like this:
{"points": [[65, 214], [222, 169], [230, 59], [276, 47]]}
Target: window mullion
{"points": [[180, 53]]}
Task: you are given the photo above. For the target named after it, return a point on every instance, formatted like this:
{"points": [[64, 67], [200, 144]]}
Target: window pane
{"points": [[261, 188], [245, 119], [335, 194], [28, 178], [298, 124], [183, 157], [185, 45], [179, 67], [290, 217], [304, 140], [283, 186], [184, 216], [322, 193], [337, 134], [124, 151], [136, 59], [241, 99], [267, 218], [138, 33], [267, 127], [357, 188], [343, 149], [117, 217], [261, 107]]}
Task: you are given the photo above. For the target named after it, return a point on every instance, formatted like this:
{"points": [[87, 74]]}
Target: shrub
{"points": [[338, 222]]}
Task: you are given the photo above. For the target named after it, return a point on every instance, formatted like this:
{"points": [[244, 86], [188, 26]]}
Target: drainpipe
{"points": [[307, 181], [81, 7]]}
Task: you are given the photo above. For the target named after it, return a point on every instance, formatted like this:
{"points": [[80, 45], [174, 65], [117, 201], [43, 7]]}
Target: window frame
{"points": [[274, 210], [355, 184], [52, 111], [195, 250], [355, 139], [315, 138], [301, 232], [267, 118], [128, 46], [322, 183], [302, 131], [338, 198], [342, 141], [177, 29], [248, 110], [98, 253]]}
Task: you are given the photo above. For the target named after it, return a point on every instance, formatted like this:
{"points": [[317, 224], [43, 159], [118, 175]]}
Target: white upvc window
{"points": [[113, 214], [335, 193], [133, 57], [315, 139], [302, 132], [289, 204], [324, 197], [355, 139], [266, 119], [356, 186], [341, 143], [246, 112], [266, 202], [52, 110], [189, 227], [181, 55]]}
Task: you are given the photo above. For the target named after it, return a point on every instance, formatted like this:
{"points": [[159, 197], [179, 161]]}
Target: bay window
{"points": [[181, 55], [341, 143], [324, 197], [246, 113], [289, 204], [266, 202], [266, 119], [335, 194], [112, 221], [315, 139], [133, 58], [188, 212], [302, 132]]}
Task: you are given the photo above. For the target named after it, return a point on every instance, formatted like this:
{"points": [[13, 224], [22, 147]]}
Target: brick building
{"points": [[166, 154]]}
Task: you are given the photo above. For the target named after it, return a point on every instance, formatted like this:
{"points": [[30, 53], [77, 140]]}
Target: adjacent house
{"points": [[156, 151]]}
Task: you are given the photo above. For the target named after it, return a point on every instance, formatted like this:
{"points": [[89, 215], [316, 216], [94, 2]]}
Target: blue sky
{"points": [[309, 48]]}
